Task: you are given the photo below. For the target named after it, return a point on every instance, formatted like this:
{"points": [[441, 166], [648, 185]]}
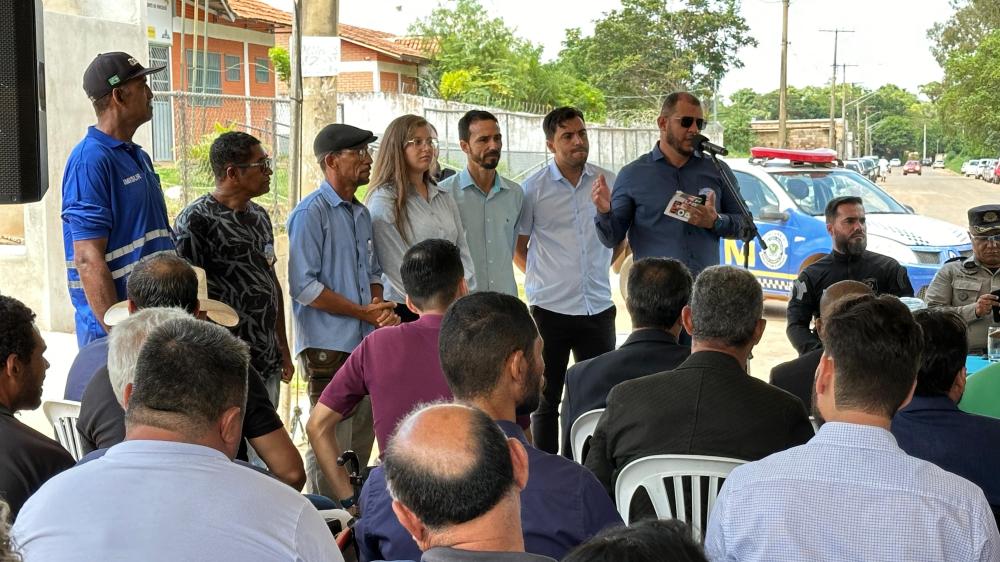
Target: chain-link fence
{"points": [[524, 150], [184, 127]]}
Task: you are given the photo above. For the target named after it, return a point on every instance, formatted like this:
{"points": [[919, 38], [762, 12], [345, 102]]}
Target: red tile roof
{"points": [[410, 49]]}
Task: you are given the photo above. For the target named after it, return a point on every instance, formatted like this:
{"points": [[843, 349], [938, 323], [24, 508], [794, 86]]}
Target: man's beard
{"points": [[678, 144], [533, 395], [488, 164], [852, 246]]}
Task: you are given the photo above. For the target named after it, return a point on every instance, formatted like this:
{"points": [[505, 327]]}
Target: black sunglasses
{"points": [[687, 121]]}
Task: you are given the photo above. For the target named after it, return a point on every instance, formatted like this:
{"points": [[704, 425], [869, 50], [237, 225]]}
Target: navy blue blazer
{"points": [[646, 351], [932, 428]]}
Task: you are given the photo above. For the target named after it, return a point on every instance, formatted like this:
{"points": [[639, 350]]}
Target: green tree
{"points": [[282, 64], [480, 60], [894, 136], [644, 50], [963, 32], [970, 102]]}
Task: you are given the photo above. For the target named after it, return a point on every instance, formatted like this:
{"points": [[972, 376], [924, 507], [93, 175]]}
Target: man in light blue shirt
{"points": [[490, 205], [334, 276], [566, 265], [851, 493]]}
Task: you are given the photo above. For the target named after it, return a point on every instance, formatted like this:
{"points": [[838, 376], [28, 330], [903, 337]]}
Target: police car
{"points": [[787, 192]]}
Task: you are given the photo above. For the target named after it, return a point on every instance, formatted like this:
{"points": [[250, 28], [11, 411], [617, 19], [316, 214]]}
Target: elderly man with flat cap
{"points": [[965, 284], [112, 207], [334, 276]]}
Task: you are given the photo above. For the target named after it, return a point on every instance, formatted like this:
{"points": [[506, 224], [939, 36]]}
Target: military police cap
{"points": [[984, 219], [338, 136]]}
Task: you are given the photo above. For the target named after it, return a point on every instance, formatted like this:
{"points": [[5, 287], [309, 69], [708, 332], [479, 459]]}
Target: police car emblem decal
{"points": [[774, 254]]}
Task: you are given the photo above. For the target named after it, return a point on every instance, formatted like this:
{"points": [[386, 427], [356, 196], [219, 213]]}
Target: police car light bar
{"points": [[818, 155]]}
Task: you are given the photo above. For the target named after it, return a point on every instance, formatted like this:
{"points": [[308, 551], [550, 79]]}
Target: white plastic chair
{"points": [[651, 473], [62, 414], [582, 428]]}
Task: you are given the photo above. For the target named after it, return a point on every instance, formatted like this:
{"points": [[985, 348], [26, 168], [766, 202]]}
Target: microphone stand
{"points": [[749, 229]]}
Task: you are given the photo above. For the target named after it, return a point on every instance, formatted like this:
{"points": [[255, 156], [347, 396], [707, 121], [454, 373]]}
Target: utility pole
{"points": [[843, 111], [320, 59], [857, 129], [783, 87], [833, 85], [924, 156]]}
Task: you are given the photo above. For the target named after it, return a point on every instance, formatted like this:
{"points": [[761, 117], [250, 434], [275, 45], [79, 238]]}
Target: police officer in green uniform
{"points": [[965, 284]]}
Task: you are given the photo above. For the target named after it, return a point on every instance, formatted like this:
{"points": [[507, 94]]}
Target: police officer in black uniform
{"points": [[845, 221], [965, 284]]}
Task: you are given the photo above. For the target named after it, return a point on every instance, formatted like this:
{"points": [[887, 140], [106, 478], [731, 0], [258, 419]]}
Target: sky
{"points": [[889, 44]]}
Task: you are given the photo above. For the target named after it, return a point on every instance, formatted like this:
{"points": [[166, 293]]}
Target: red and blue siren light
{"points": [[816, 155]]}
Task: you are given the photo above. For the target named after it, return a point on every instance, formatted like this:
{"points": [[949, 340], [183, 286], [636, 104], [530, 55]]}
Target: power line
{"points": [[833, 85]]}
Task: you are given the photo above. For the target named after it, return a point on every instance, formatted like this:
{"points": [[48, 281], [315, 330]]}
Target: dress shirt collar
{"points": [[429, 321], [856, 436], [161, 448], [650, 335], [919, 403], [511, 429], [556, 175], [465, 181], [333, 197], [5, 411], [446, 554]]}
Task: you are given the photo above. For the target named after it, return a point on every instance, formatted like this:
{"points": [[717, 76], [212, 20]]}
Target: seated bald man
{"points": [[455, 480], [797, 376]]}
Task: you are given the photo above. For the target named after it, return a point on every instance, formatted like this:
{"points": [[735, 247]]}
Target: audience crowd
{"points": [[411, 336]]}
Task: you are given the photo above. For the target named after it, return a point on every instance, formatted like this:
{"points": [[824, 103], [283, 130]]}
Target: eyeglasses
{"points": [[995, 239], [359, 152], [420, 143], [687, 121], [264, 164]]}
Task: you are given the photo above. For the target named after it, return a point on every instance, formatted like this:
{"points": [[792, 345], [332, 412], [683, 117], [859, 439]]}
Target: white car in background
{"points": [[938, 165]]}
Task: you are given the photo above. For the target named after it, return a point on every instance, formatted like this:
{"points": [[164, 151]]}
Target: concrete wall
{"points": [[802, 133], [74, 31]]}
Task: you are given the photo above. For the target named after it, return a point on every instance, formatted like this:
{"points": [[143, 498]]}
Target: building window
{"points": [[209, 77], [262, 70], [232, 68]]}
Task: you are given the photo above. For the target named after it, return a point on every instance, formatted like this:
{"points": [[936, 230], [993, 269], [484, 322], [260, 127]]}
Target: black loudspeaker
{"points": [[24, 171]]}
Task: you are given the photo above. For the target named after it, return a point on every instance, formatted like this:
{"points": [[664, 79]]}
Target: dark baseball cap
{"points": [[338, 136], [110, 70]]}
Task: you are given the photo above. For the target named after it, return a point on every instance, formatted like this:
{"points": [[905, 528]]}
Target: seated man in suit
{"points": [[931, 427], [797, 376], [491, 354], [851, 493], [708, 405], [166, 280], [658, 288], [170, 491], [27, 458], [465, 509]]}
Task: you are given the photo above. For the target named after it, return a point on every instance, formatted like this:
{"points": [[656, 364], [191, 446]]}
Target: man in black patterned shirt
{"points": [[230, 236]]}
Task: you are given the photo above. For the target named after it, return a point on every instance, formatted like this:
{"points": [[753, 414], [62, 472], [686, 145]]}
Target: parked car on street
{"points": [[986, 169], [787, 197], [937, 165], [925, 161], [971, 167], [894, 162], [911, 167]]}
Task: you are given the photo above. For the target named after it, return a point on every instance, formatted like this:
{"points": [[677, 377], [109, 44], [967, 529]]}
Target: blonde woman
{"points": [[407, 206]]}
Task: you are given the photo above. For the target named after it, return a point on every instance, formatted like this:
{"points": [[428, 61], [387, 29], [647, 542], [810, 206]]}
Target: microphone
{"points": [[704, 145]]}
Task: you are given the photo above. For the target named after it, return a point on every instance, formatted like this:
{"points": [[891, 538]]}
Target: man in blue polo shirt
{"points": [[644, 187], [113, 210]]}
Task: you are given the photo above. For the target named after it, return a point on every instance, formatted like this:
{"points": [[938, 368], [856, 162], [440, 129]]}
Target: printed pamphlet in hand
{"points": [[675, 208]]}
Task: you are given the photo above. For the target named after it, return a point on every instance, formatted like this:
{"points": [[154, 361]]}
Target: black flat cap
{"points": [[338, 136], [984, 219]]}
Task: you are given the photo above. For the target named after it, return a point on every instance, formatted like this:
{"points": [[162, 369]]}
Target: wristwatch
{"points": [[348, 503], [718, 223]]}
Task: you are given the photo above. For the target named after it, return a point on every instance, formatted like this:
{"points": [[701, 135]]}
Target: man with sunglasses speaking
{"points": [[231, 238], [112, 207], [644, 188], [965, 285]]}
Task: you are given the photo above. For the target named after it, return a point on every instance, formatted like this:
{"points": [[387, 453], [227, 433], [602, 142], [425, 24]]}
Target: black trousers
{"points": [[586, 336]]}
